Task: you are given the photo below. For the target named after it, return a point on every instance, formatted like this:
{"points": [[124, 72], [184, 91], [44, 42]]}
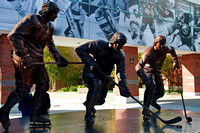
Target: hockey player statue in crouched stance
{"points": [[28, 39], [99, 57], [149, 69]]}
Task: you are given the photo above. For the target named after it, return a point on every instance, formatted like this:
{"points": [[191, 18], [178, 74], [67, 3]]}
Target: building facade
{"points": [[139, 20]]}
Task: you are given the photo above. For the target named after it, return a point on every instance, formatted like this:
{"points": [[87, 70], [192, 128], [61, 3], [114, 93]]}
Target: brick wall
{"points": [[131, 54], [7, 79], [191, 74]]}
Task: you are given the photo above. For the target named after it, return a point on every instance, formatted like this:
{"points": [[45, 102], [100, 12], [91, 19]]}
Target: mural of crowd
{"points": [[139, 20]]}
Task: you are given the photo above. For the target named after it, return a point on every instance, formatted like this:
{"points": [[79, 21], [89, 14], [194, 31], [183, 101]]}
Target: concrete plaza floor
{"points": [[67, 115], [72, 101]]}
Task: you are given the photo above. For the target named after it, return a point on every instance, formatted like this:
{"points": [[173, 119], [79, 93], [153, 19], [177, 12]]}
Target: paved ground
{"points": [[72, 101]]}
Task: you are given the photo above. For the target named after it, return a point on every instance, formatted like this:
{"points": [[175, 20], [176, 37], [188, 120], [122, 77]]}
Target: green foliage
{"points": [[70, 75], [168, 71], [73, 89], [65, 89], [110, 84], [139, 79], [173, 90], [81, 86], [139, 56], [110, 91]]}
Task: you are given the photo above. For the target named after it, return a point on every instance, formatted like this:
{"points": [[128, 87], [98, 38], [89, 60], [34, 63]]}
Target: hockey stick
{"points": [[189, 119], [41, 63], [174, 120]]}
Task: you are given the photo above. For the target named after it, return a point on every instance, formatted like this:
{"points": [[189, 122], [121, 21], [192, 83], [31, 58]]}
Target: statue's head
{"points": [[161, 39], [49, 10], [117, 41], [159, 42]]}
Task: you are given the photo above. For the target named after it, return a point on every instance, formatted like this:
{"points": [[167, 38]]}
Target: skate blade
{"points": [[40, 124]]}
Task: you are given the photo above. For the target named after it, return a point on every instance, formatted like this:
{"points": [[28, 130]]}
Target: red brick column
{"points": [[191, 74], [7, 79], [131, 58]]}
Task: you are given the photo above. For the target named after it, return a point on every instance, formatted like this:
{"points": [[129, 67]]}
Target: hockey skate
{"points": [[146, 115], [93, 111]]}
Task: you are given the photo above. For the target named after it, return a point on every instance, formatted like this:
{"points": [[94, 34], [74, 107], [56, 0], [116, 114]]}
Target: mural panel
{"points": [[139, 20]]}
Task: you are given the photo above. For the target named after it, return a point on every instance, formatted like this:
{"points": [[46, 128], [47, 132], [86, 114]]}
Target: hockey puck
{"points": [[189, 119], [178, 126]]}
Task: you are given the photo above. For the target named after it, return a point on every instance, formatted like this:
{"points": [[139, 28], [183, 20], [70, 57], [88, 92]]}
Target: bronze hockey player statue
{"points": [[28, 39], [149, 69], [100, 56]]}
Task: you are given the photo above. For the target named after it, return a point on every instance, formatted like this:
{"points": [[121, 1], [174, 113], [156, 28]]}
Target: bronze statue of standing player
{"points": [[28, 39], [149, 69], [100, 56]]}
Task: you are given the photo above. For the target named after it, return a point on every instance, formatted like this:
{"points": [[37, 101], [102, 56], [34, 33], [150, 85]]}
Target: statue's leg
{"points": [[42, 86], [103, 93], [95, 86], [13, 98], [148, 95], [159, 92], [37, 104]]}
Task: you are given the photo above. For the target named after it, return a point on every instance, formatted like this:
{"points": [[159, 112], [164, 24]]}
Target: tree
{"points": [[170, 74], [168, 70], [70, 75]]}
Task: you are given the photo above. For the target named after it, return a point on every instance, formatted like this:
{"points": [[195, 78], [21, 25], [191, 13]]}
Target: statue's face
{"points": [[52, 15], [117, 46], [159, 46]]}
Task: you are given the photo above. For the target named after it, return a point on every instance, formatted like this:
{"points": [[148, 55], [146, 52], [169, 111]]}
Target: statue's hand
{"points": [[62, 62], [27, 61]]}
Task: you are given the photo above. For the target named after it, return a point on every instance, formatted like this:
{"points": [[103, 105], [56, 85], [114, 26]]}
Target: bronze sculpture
{"points": [[100, 56], [149, 69], [28, 39]]}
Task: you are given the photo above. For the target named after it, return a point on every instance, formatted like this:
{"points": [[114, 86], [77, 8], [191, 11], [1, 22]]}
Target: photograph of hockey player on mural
{"points": [[140, 20]]}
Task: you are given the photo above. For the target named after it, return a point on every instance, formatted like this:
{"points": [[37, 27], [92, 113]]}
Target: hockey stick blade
{"points": [[172, 121]]}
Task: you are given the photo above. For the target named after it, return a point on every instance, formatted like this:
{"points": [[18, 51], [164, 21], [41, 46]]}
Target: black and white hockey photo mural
{"points": [[140, 20]]}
